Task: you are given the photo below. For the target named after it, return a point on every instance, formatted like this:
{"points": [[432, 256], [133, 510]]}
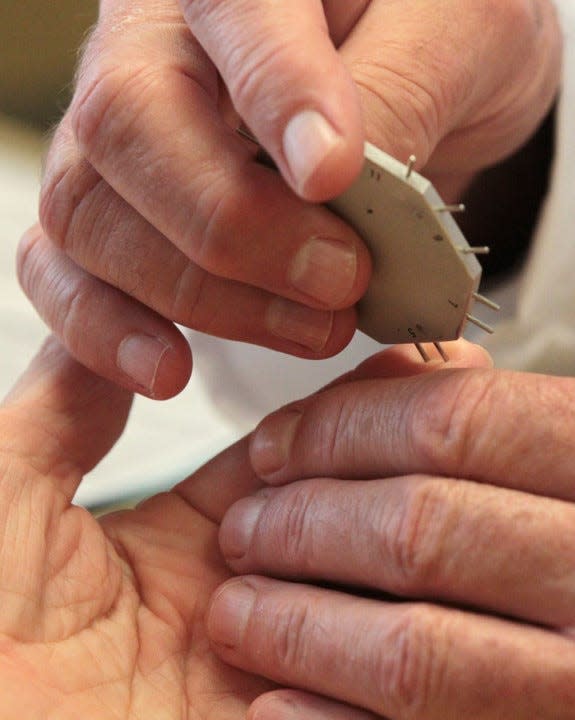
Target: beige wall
{"points": [[38, 43]]}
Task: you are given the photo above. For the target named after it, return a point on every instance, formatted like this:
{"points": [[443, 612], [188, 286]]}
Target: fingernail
{"points": [[229, 613], [238, 526], [271, 443], [139, 357], [279, 708], [307, 141], [325, 270], [305, 326]]}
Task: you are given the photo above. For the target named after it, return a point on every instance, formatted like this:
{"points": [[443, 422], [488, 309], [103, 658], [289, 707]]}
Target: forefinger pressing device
{"points": [[425, 275]]}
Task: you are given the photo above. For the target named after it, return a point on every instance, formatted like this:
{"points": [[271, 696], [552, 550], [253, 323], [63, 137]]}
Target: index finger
{"points": [[150, 124], [509, 429]]}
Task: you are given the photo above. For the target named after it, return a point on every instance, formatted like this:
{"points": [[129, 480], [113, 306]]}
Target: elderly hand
{"points": [[100, 618], [445, 502], [154, 211]]}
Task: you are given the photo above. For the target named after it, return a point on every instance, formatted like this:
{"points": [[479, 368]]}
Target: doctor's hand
{"points": [[437, 511], [100, 618], [155, 212]]}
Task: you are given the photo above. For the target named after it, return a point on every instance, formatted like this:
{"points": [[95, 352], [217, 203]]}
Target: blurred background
{"points": [[39, 41]]}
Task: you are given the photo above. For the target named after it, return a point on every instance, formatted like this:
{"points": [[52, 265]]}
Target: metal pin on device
{"points": [[480, 324], [459, 208], [487, 302], [425, 355], [409, 167], [421, 350], [440, 349], [481, 250]]}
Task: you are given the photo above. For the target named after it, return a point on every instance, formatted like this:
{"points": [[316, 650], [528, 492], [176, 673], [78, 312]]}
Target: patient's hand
{"points": [[154, 210], [446, 498], [100, 619]]}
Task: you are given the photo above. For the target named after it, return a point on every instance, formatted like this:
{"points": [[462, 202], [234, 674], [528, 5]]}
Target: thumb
{"points": [[60, 417], [459, 84], [289, 85]]}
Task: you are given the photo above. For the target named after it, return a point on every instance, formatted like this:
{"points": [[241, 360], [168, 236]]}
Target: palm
{"points": [[101, 618]]}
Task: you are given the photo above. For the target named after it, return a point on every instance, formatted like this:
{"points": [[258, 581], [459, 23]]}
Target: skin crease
{"points": [[450, 492], [107, 618], [157, 618], [125, 616], [101, 618], [405, 76]]}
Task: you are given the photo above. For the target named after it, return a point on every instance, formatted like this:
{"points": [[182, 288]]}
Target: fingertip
{"points": [[405, 360], [154, 366], [271, 443], [463, 353], [174, 371], [322, 160], [290, 86]]}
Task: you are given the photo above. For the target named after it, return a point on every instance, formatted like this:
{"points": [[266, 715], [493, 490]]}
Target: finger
{"points": [[314, 130], [401, 660], [405, 360], [203, 189], [230, 477], [97, 228], [221, 482], [483, 425], [60, 418], [294, 705], [414, 537], [459, 99], [217, 306], [123, 249], [341, 19], [101, 327]]}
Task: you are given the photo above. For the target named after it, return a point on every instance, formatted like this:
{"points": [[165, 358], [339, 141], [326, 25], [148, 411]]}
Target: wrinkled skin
{"points": [[154, 211], [446, 500], [454, 496], [106, 618], [100, 618]]}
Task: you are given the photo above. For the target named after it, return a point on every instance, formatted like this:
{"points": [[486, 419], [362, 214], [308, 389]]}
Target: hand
{"points": [[157, 213], [101, 618], [446, 500]]}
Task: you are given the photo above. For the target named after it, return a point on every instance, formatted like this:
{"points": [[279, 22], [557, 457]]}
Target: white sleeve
{"points": [[540, 335]]}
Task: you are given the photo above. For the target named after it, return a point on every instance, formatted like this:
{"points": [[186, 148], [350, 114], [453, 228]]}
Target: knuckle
{"points": [[99, 116], [413, 674], [61, 297], [416, 544], [72, 308], [190, 304], [187, 294], [250, 70], [249, 61], [447, 428], [66, 211], [294, 532], [292, 638], [27, 259], [411, 104], [216, 208], [53, 213], [338, 421]]}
